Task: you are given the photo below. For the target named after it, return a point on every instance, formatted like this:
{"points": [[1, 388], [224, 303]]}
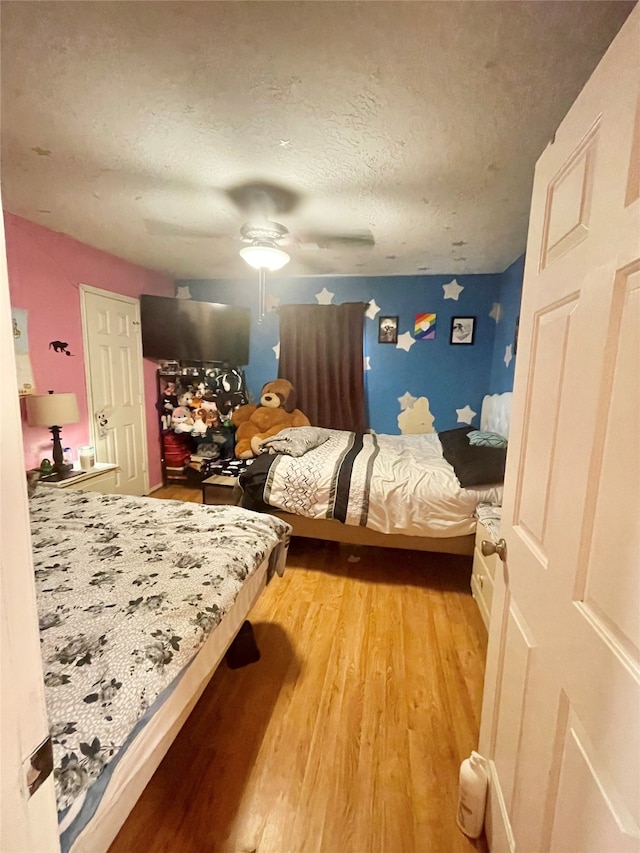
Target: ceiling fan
{"points": [[265, 237], [267, 241], [262, 202]]}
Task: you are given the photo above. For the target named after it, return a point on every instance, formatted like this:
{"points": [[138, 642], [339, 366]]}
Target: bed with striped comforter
{"points": [[388, 483]]}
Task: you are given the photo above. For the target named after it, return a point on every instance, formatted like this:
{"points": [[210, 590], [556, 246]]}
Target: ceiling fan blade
{"points": [[319, 240], [261, 199], [158, 228], [310, 264]]}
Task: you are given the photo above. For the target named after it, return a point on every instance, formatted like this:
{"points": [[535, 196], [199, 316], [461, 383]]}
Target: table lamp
{"points": [[53, 411]]}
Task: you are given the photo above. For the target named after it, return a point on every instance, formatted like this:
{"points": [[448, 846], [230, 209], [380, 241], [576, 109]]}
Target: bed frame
{"points": [[495, 417], [335, 531]]}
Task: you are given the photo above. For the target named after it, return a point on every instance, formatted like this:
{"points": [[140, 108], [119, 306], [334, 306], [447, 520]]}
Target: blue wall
{"points": [[450, 376], [509, 298]]}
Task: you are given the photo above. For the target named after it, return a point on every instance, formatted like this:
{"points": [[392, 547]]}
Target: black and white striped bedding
{"points": [[389, 483]]}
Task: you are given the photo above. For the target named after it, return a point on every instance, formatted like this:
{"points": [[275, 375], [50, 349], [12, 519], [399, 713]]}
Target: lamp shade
{"points": [[52, 409], [264, 257]]}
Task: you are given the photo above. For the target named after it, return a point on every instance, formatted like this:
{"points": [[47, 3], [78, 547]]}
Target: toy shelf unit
{"points": [[195, 403]]}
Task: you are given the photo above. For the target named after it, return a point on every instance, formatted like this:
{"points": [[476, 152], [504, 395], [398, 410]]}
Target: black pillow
{"points": [[474, 466]]}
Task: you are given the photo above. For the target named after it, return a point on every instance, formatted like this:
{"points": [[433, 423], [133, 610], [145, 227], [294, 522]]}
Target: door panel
{"points": [[568, 208], [562, 690], [633, 179], [609, 539], [550, 335], [591, 815], [515, 681]]}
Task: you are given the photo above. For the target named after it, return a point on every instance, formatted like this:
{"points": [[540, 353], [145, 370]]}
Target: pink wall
{"points": [[45, 271]]}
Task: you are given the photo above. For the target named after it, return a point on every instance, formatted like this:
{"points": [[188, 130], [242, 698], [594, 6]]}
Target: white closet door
{"points": [[115, 389]]}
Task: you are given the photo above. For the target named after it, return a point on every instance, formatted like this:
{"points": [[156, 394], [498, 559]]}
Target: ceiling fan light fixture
{"points": [[264, 256]]}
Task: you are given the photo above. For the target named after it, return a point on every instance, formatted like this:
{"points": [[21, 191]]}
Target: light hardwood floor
{"points": [[347, 735]]}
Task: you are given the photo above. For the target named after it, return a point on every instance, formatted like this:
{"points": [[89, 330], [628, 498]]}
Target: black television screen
{"points": [[188, 330]]}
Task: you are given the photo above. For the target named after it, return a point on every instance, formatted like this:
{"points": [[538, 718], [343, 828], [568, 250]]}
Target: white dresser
{"points": [[100, 478], [483, 574]]}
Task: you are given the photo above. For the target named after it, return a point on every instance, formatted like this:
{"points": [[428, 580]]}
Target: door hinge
{"points": [[41, 765]]}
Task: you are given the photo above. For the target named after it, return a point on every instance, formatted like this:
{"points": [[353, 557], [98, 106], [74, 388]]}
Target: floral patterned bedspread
{"points": [[128, 590]]}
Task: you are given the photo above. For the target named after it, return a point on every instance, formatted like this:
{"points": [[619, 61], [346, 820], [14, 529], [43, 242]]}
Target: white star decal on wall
{"points": [[452, 290], [276, 350], [325, 297], [496, 311], [271, 302], [406, 401], [367, 362], [183, 292], [466, 415], [372, 310], [508, 354], [405, 341]]}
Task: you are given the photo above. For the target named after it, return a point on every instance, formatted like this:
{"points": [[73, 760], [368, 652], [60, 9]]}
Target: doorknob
{"points": [[500, 548]]}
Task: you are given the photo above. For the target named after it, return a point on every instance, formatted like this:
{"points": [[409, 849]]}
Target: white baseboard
{"points": [[155, 488]]}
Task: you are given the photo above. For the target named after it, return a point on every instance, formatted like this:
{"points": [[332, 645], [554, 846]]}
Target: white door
{"points": [[28, 824], [561, 712], [113, 358]]}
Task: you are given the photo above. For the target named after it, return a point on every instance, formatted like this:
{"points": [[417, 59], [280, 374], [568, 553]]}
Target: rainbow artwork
{"points": [[425, 328]]}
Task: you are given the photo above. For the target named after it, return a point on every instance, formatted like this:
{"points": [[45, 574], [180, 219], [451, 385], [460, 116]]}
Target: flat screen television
{"points": [[188, 330]]}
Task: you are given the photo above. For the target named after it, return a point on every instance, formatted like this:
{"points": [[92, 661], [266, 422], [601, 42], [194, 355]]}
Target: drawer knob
{"points": [[500, 548]]}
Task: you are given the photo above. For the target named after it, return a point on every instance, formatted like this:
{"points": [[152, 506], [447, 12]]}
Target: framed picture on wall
{"points": [[388, 330], [463, 330]]}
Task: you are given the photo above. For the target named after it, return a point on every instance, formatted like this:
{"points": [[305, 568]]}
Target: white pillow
{"points": [[496, 413]]}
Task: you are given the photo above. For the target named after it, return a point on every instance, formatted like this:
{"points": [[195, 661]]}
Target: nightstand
{"points": [[100, 478], [483, 574]]}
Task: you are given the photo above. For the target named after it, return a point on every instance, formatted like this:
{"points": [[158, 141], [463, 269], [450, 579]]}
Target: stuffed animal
{"points": [[255, 423], [210, 417], [185, 398], [199, 427], [168, 398], [209, 404], [181, 420]]}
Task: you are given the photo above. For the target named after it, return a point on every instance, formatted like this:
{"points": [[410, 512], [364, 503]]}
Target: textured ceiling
{"points": [[125, 123]]}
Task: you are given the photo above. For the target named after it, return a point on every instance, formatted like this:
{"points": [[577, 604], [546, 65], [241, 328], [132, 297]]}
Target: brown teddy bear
{"points": [[255, 423]]}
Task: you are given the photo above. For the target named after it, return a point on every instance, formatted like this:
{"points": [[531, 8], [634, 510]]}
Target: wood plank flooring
{"points": [[347, 735]]}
